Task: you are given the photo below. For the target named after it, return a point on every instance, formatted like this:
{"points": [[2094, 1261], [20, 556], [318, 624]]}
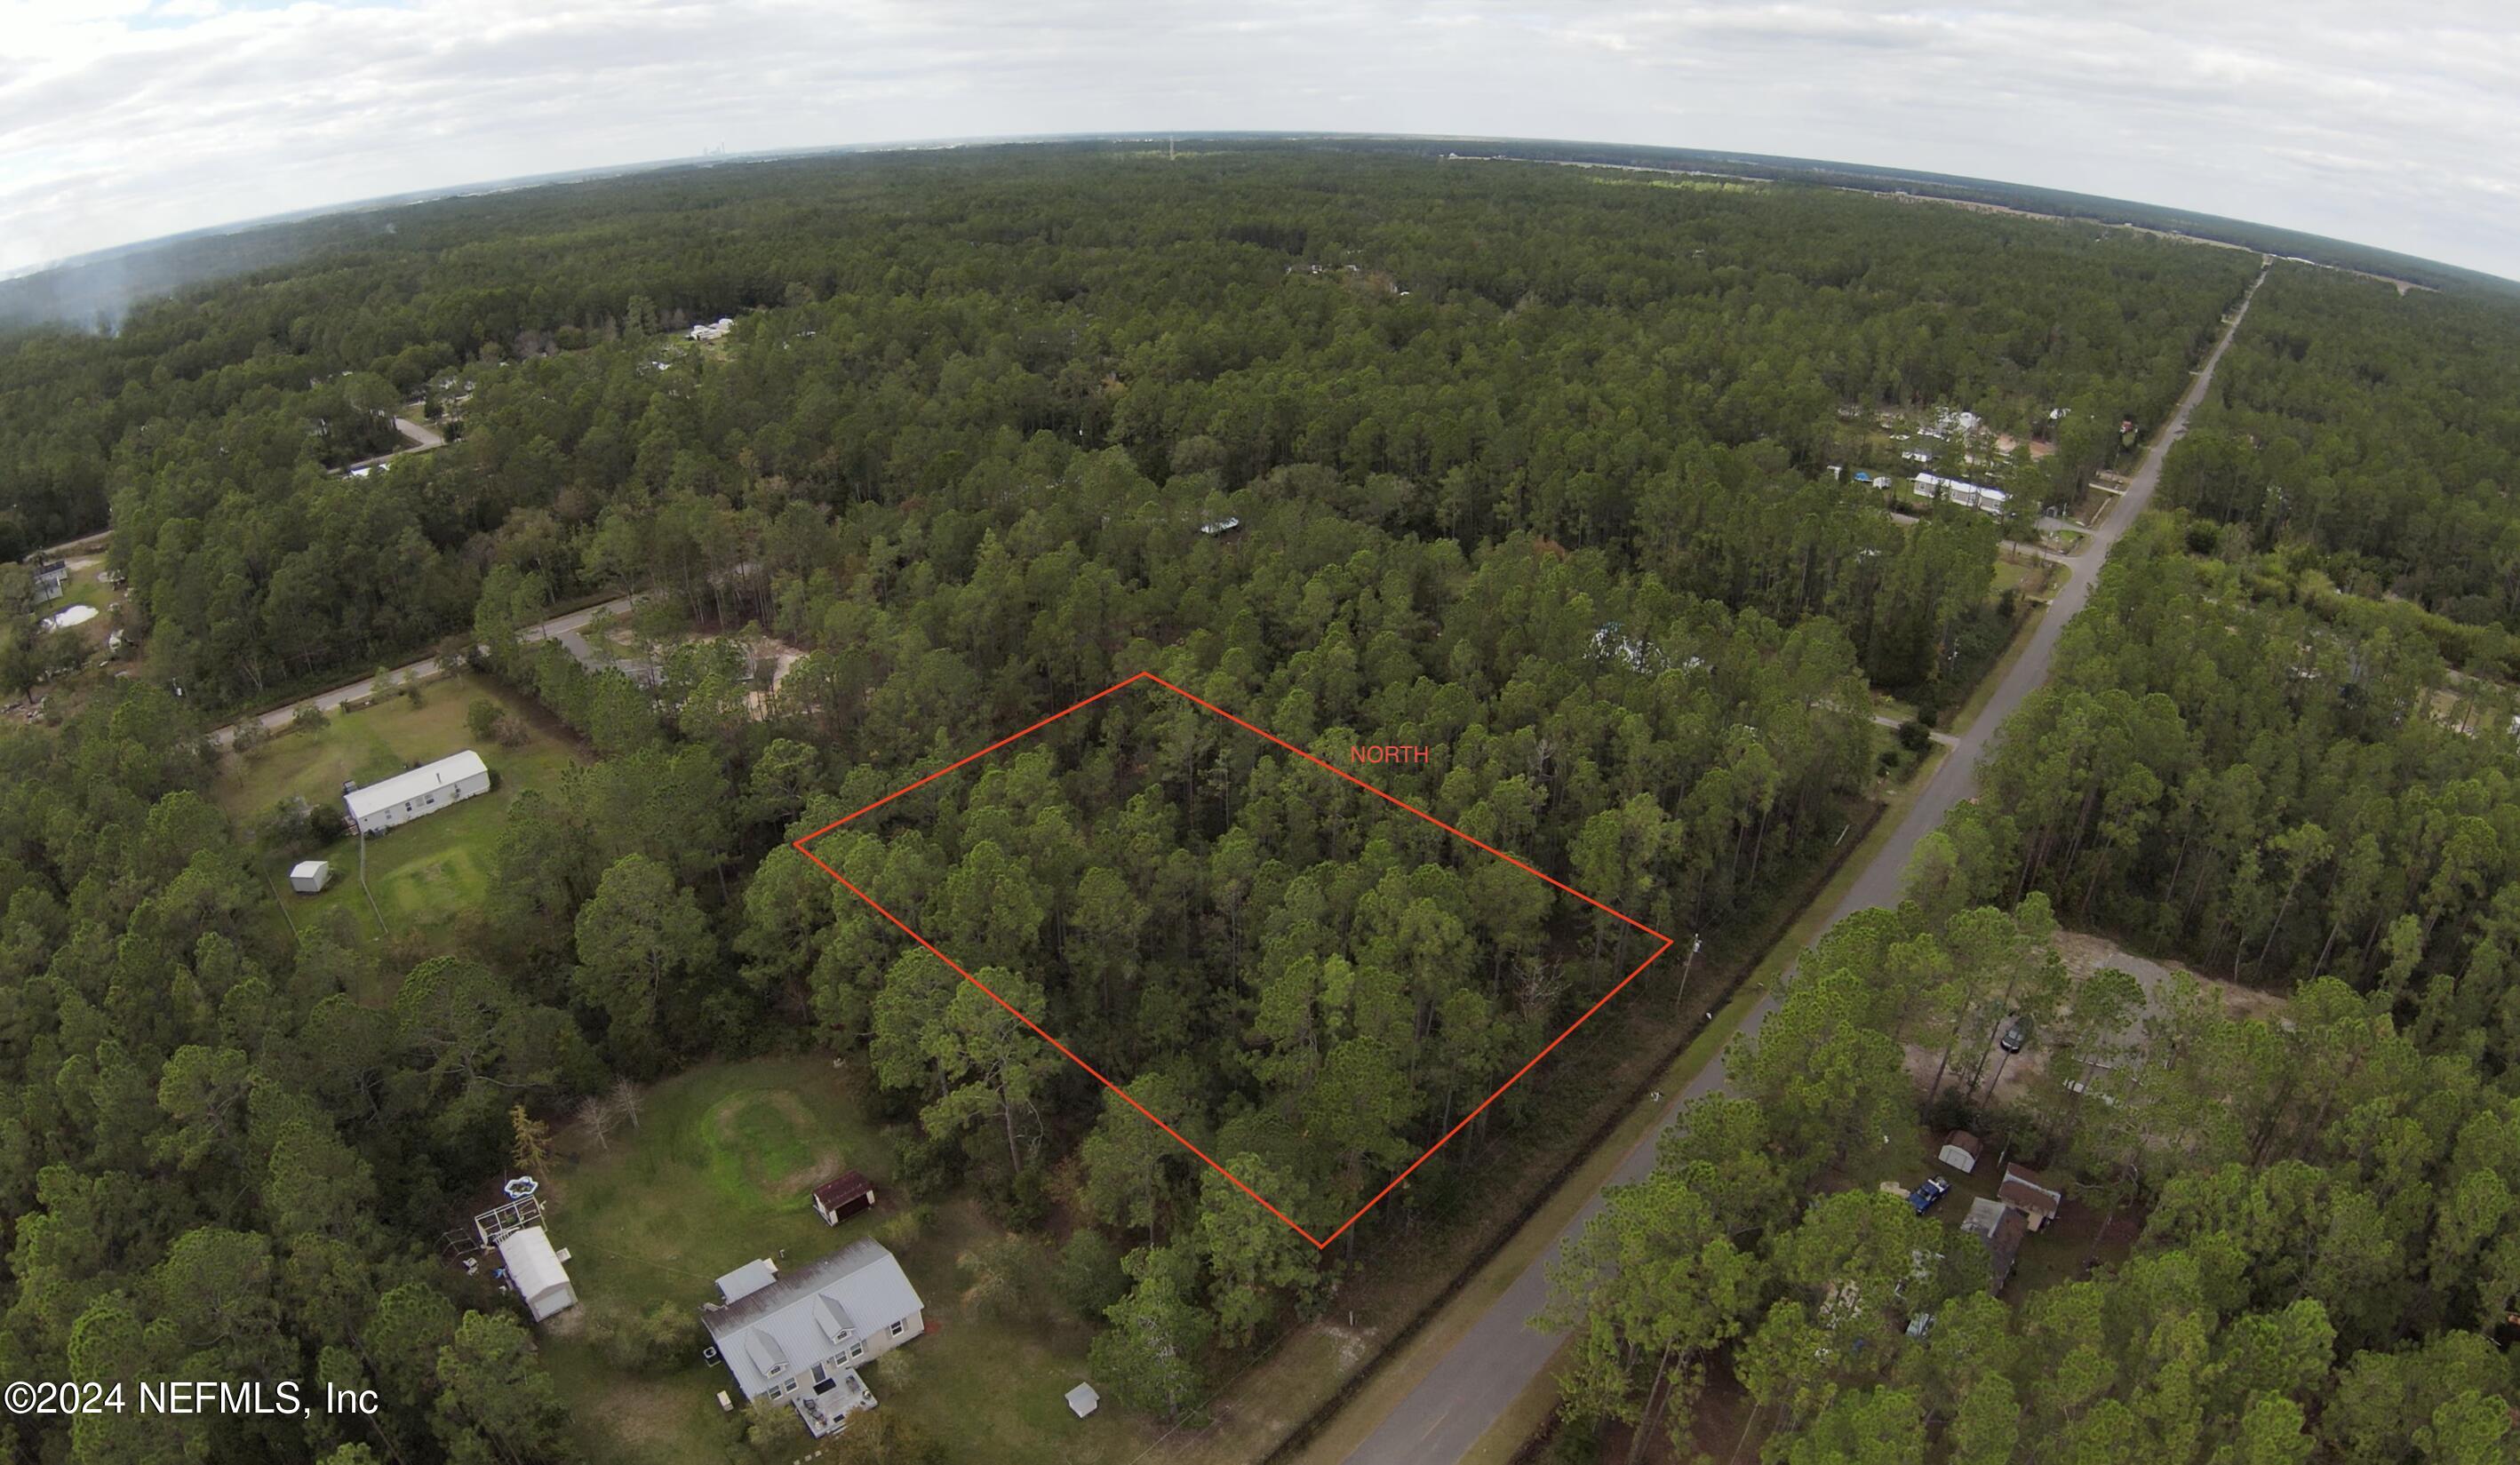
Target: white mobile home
{"points": [[425, 789], [1964, 494]]}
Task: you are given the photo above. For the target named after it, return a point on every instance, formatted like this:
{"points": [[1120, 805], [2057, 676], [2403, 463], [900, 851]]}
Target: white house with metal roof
{"points": [[801, 1336], [422, 790]]}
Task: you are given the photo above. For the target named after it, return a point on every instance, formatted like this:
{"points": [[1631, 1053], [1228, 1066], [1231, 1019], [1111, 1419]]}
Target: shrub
{"points": [[1089, 1278], [902, 1229]]}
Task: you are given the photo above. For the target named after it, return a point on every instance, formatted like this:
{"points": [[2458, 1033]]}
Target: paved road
{"points": [[418, 437], [563, 627], [1498, 1357]]}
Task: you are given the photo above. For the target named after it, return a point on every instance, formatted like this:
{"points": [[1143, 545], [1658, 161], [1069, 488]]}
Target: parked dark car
{"points": [[2016, 1037], [1922, 1198]]}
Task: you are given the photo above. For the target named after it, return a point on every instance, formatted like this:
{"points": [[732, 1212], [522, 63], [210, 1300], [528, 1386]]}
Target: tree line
{"points": [[2376, 428], [1657, 373]]}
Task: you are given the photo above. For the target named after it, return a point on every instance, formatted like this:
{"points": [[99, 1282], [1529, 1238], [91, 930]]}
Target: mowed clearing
{"points": [[430, 867], [718, 1172]]}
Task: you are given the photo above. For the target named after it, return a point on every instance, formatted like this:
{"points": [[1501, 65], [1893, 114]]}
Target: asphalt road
{"points": [[563, 627], [1498, 1357]]}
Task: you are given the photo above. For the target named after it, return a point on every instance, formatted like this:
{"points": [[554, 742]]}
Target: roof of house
{"points": [[2002, 1228], [747, 1279], [2003, 1248], [532, 1263], [810, 1314], [831, 1194], [2022, 1188], [410, 785], [1960, 486], [1968, 1143]]}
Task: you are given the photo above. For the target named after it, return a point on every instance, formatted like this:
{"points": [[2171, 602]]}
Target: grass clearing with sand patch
{"points": [[428, 869]]}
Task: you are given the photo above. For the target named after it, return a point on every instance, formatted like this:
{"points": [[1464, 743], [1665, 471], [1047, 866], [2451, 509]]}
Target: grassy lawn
{"points": [[717, 1174], [431, 866]]}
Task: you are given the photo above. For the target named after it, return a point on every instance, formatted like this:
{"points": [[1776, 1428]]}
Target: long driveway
{"points": [[1499, 1356], [563, 627]]}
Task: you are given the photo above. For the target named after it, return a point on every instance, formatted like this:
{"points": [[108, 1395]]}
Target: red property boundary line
{"points": [[803, 847]]}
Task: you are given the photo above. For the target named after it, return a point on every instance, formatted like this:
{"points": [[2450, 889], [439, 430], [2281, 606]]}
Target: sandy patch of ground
{"points": [[2085, 954], [782, 656]]}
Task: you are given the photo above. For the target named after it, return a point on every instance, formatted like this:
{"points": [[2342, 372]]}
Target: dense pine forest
{"points": [[1541, 469], [2379, 430], [1653, 372]]}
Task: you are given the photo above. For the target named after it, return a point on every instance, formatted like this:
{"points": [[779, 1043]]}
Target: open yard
{"points": [[431, 866], [716, 1173], [2029, 576]]}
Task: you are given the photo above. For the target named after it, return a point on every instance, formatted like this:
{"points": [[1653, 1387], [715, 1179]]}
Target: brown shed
{"points": [[2023, 1187], [846, 1196]]}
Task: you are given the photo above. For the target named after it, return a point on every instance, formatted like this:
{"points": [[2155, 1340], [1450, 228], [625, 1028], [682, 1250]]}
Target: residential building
{"points": [[2023, 1187], [2002, 1228], [801, 1337], [422, 790], [51, 577], [537, 1271], [1957, 490]]}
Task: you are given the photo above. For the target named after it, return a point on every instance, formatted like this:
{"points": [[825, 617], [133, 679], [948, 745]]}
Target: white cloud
{"points": [[121, 119]]}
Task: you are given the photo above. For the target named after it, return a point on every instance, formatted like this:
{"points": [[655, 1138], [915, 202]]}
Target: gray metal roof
{"points": [[746, 1280], [412, 783], [810, 1314]]}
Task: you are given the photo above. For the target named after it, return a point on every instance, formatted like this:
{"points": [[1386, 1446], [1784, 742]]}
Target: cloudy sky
{"points": [[2388, 124]]}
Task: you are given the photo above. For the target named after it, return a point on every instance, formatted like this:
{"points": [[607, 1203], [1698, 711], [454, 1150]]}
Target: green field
{"points": [[717, 1174], [426, 868]]}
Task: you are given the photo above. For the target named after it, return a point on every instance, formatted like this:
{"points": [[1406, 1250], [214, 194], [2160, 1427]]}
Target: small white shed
{"points": [[534, 1270], [310, 876], [1083, 1400]]}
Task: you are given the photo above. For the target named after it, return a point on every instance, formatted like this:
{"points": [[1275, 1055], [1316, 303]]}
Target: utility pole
{"points": [[364, 888], [1695, 945]]}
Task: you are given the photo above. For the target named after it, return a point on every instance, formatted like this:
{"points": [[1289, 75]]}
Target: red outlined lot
{"points": [[803, 847]]}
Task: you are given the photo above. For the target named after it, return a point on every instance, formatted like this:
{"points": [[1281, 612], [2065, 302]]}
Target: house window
{"points": [[856, 1349], [898, 1324]]}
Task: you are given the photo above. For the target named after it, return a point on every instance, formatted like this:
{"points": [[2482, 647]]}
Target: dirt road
{"points": [[565, 627], [1486, 1367]]}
